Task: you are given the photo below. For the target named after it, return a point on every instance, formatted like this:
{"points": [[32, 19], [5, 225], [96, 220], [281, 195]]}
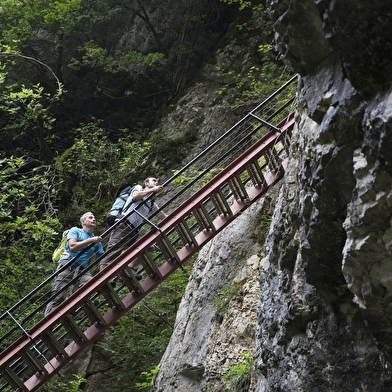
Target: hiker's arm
{"points": [[137, 195], [75, 245]]}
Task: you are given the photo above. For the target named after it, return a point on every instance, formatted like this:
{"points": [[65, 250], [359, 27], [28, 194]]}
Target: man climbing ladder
{"points": [[77, 240], [130, 228]]}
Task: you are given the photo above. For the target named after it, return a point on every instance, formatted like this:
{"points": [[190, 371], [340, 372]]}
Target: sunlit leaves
{"points": [[96, 166], [95, 56], [28, 226]]}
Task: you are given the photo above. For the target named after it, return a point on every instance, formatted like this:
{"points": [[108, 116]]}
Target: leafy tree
{"points": [[57, 36], [28, 226], [86, 44], [149, 376], [61, 386], [94, 169], [26, 114]]}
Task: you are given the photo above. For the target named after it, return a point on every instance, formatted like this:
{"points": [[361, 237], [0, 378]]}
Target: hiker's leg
{"points": [[112, 248], [84, 278], [112, 251], [60, 282]]}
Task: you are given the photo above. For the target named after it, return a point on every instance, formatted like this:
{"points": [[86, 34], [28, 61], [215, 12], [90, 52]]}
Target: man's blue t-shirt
{"points": [[81, 235]]}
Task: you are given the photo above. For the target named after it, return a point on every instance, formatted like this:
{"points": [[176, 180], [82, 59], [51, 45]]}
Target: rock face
{"points": [[324, 314], [309, 311], [210, 337]]}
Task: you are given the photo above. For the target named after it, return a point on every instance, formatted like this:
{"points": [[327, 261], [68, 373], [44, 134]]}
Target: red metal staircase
{"points": [[35, 348]]}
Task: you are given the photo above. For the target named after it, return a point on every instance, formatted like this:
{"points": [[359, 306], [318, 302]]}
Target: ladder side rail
{"points": [[193, 202], [197, 200], [229, 131], [233, 150], [239, 124], [276, 93], [174, 266]]}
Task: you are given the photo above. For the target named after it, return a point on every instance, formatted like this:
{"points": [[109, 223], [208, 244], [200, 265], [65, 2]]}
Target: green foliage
{"points": [[94, 167], [26, 116], [86, 44], [257, 9], [83, 43], [149, 376], [95, 56], [262, 77], [192, 174], [26, 109], [242, 4], [60, 386], [257, 82], [230, 292], [238, 376], [28, 226]]}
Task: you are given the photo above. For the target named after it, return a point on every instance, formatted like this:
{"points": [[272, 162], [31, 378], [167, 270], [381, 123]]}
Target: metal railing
{"points": [[227, 177]]}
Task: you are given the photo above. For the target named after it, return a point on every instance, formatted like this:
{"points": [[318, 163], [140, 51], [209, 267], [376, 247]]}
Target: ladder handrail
{"points": [[134, 251], [209, 221], [199, 157]]}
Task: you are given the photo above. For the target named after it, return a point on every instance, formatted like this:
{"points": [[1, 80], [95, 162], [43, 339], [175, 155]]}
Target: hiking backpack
{"points": [[60, 250], [117, 206]]}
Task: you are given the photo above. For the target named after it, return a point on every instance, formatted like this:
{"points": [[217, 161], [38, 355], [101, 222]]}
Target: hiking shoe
{"points": [[113, 282], [135, 273], [153, 247]]}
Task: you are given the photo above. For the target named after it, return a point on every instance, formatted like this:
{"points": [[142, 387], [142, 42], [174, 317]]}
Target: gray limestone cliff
{"points": [[309, 309], [314, 309]]}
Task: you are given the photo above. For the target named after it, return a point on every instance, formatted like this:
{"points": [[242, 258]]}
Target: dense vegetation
{"points": [[78, 103]]}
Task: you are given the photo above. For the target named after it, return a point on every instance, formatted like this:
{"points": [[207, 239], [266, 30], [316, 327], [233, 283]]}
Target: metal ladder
{"points": [[39, 351]]}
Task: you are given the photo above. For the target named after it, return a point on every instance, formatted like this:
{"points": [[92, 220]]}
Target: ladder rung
{"points": [[221, 203], [73, 329], [149, 264], [13, 379], [256, 174], [238, 188], [273, 160], [167, 249], [92, 312], [33, 363], [50, 341], [203, 218], [129, 279], [111, 296], [186, 234]]}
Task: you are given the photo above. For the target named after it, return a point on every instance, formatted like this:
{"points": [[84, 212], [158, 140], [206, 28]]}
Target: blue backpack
{"points": [[117, 206]]}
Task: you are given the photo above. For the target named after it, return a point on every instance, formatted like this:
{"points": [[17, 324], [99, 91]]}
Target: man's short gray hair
{"points": [[144, 182], [84, 216]]}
